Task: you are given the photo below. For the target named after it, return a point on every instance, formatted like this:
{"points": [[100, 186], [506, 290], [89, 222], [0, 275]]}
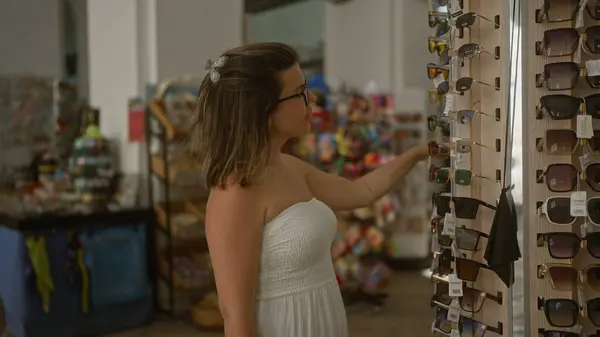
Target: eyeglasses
{"points": [[557, 210], [471, 301], [470, 50], [436, 44], [564, 177], [468, 19], [564, 313], [466, 83], [566, 245], [466, 239], [563, 107], [466, 326], [559, 142], [464, 207], [434, 70], [565, 278], [564, 41], [303, 94], [462, 177], [557, 11], [559, 76]]}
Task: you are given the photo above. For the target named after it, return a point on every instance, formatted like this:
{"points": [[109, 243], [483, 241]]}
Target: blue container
{"points": [[117, 266]]}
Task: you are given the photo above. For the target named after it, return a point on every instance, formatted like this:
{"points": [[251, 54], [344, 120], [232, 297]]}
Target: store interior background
{"points": [[121, 46]]}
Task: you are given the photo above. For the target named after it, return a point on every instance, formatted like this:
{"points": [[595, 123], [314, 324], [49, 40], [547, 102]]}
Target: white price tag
{"points": [[455, 9], [455, 286], [592, 67], [578, 204], [455, 63], [449, 225], [586, 160], [454, 311], [585, 128], [454, 333], [449, 105]]}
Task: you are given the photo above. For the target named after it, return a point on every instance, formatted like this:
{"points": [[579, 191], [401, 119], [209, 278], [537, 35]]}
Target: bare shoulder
{"points": [[234, 203], [297, 163]]}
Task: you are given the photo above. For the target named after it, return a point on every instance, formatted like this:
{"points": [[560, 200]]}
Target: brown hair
{"points": [[230, 133]]}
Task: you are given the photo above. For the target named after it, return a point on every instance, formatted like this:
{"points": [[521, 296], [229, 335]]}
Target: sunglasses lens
{"points": [[465, 116], [561, 312], [561, 107], [560, 42], [592, 176], [593, 208], [441, 321], [593, 277], [464, 84], [463, 147], [467, 239], [563, 245], [558, 210], [561, 177], [593, 39], [472, 300], [465, 20], [465, 208], [432, 123], [563, 277], [442, 176], [463, 177], [561, 75], [431, 45], [443, 88], [560, 142], [593, 9], [561, 10], [442, 293], [592, 105], [593, 311], [467, 270], [442, 204], [593, 244]]}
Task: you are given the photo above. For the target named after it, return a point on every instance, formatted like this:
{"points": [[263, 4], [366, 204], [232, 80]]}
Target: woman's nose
{"points": [[312, 98]]}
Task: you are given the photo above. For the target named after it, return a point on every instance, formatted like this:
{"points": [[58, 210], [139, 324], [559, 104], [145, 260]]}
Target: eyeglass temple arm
{"points": [[486, 178], [488, 20], [487, 84]]}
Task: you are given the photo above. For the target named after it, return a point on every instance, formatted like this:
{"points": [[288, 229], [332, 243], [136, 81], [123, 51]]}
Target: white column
{"points": [[31, 38], [132, 43], [383, 41]]}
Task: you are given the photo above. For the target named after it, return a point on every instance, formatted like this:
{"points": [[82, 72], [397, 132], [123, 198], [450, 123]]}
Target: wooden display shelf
{"points": [[158, 110], [198, 256], [181, 173]]}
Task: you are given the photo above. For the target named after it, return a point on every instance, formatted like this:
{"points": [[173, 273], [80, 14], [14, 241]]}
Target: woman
{"points": [[269, 219]]}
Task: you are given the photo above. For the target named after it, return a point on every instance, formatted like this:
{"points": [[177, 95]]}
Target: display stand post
{"points": [[539, 288], [485, 134]]}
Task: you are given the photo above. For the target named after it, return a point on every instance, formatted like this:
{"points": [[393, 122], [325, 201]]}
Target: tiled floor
{"points": [[406, 313]]}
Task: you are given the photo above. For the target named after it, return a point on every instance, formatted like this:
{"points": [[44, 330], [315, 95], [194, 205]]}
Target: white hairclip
{"points": [[212, 67]]}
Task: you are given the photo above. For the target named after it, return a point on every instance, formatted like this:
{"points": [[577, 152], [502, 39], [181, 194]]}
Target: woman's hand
{"points": [[421, 151]]}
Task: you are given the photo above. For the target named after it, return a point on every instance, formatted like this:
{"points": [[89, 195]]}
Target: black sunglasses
{"points": [[464, 207], [303, 94]]}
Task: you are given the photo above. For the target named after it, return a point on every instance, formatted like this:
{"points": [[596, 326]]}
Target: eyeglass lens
{"points": [[563, 277], [561, 312], [561, 75], [592, 40], [560, 142], [560, 10], [560, 106], [560, 42]]}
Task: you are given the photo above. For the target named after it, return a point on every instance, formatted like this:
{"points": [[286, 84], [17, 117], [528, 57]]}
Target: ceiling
{"points": [[256, 6]]}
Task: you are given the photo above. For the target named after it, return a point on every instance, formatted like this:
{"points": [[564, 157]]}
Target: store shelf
{"points": [[182, 172], [157, 109]]}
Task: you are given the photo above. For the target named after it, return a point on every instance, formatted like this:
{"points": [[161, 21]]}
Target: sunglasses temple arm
{"points": [[489, 85], [488, 20], [486, 178]]}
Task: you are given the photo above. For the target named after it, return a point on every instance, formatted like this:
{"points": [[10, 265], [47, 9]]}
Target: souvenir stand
{"points": [[470, 85], [561, 91], [183, 278]]}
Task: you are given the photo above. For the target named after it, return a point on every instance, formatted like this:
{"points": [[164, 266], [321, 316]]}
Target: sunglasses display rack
{"points": [[561, 105], [470, 84]]}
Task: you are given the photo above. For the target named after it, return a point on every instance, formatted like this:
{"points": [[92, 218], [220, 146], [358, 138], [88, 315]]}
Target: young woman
{"points": [[269, 220]]}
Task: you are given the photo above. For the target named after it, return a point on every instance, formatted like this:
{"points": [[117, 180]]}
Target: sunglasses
{"points": [[564, 277], [564, 313], [465, 116], [442, 29], [557, 210], [593, 210], [466, 239], [464, 84], [439, 45], [466, 326], [558, 333], [465, 269], [468, 19], [434, 121], [566, 245], [464, 207], [564, 107], [435, 18], [435, 150], [470, 50], [559, 76], [471, 301], [303, 94], [462, 145], [559, 142], [557, 11], [434, 70], [565, 41], [461, 177], [564, 177]]}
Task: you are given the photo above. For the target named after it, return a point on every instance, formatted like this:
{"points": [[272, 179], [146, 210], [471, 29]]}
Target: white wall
{"points": [[382, 41], [31, 37]]}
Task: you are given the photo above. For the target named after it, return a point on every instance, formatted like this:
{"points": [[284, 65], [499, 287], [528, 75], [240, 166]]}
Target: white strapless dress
{"points": [[298, 295]]}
